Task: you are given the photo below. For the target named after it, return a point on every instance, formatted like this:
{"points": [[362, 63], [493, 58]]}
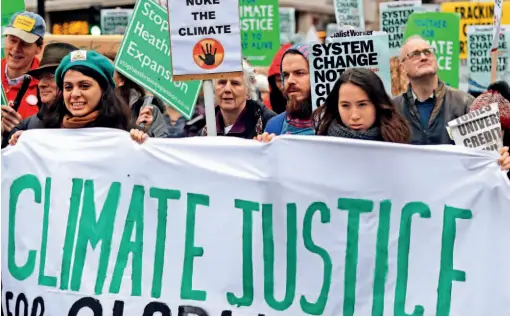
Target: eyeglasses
{"points": [[414, 55]]}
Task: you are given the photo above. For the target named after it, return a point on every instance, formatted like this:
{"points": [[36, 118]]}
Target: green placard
{"points": [[260, 30], [144, 57], [5, 102], [441, 30], [9, 7]]}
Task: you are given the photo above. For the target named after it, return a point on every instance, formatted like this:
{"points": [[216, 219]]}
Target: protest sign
{"points": [[260, 30], [479, 57], [210, 227], [287, 24], [8, 9], [393, 20], [115, 21], [331, 29], [474, 13], [349, 13], [441, 30], [4, 101], [478, 129], [205, 38], [347, 49], [144, 57]]}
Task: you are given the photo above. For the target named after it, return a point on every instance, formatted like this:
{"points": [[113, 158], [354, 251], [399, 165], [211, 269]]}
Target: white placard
{"points": [[205, 36], [227, 226], [478, 129]]}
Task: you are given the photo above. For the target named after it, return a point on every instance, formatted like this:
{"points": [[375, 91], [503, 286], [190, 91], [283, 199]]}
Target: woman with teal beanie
{"points": [[87, 98]]}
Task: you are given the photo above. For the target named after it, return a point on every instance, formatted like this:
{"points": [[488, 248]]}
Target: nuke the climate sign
{"points": [[144, 57]]}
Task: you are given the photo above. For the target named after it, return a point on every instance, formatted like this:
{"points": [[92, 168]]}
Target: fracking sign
{"points": [[474, 13], [344, 50], [144, 56], [479, 60]]}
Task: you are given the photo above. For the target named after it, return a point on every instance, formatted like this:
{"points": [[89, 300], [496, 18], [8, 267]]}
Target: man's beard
{"points": [[299, 109]]}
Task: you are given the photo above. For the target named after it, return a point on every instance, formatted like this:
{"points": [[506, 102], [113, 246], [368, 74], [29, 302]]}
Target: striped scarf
{"points": [[297, 126]]}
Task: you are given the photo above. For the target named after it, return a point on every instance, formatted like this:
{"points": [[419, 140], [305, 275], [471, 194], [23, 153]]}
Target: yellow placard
{"points": [[24, 23], [474, 13]]}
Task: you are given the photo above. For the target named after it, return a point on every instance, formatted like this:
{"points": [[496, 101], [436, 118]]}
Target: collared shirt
{"points": [[15, 81]]}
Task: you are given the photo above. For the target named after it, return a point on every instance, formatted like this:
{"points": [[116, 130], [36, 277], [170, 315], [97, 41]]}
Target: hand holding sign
{"points": [[209, 58]]}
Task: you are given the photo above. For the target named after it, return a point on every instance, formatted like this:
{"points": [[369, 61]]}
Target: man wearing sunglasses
{"points": [[428, 104]]}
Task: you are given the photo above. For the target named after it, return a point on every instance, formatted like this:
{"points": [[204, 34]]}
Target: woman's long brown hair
{"points": [[394, 126]]}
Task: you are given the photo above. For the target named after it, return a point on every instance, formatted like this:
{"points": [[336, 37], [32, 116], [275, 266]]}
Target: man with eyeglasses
{"points": [[428, 104]]}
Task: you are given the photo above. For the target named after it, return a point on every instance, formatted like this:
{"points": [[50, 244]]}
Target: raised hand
{"points": [[209, 57]]}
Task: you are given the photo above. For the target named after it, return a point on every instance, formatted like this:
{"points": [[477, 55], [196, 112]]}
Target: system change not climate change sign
{"points": [[479, 58], [347, 49], [393, 20]]}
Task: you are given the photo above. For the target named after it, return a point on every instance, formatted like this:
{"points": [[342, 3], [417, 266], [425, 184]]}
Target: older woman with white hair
{"points": [[238, 113]]}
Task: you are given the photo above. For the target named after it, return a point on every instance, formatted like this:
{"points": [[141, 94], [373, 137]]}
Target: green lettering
{"points": [[268, 247], [93, 232], [44, 280], [446, 273], [318, 307], [381, 258], [162, 195], [190, 250], [72, 220], [404, 242], [354, 207], [27, 181], [134, 219], [248, 208]]}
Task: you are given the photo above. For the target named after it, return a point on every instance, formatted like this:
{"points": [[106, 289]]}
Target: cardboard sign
{"points": [[479, 129], [205, 38], [328, 61], [474, 13], [393, 20], [144, 57], [260, 31], [104, 44], [441, 30], [349, 13], [287, 24], [479, 57], [115, 21]]}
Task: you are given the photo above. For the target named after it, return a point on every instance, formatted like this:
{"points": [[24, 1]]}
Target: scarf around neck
{"points": [[71, 122], [337, 130]]}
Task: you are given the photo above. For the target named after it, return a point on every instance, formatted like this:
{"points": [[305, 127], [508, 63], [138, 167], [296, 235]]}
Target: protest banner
{"points": [[393, 20], [474, 13], [115, 21], [478, 129], [211, 227], [260, 30], [479, 56], [287, 24], [347, 49], [205, 38], [441, 30], [8, 9], [349, 13], [144, 57]]}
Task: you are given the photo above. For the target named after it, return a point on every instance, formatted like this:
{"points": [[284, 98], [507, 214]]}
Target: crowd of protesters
{"points": [[69, 88]]}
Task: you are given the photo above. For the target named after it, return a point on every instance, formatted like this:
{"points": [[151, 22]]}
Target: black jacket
{"points": [[250, 123]]}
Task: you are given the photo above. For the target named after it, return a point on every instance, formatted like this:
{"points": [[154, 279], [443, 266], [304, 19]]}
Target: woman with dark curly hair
{"points": [[358, 107]]}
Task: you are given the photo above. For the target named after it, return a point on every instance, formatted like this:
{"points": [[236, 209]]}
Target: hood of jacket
{"points": [[274, 69]]}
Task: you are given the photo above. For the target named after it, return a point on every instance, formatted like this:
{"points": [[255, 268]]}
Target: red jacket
{"points": [[26, 109]]}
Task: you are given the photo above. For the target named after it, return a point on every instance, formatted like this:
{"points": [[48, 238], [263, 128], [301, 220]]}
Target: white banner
{"points": [[93, 223], [205, 36]]}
